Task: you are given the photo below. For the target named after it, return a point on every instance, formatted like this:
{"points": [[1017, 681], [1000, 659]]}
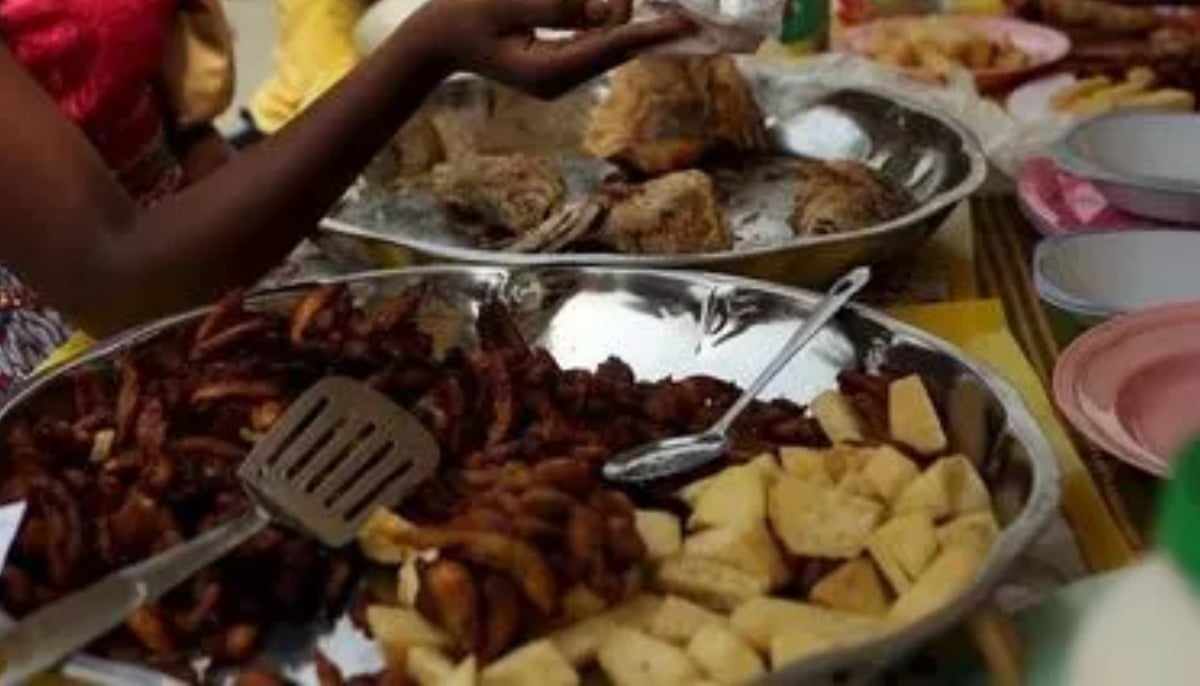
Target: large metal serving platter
{"points": [[934, 157], [672, 324]]}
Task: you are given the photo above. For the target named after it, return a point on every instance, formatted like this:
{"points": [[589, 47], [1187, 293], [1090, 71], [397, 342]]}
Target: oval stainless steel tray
{"points": [[936, 159], [673, 324]]}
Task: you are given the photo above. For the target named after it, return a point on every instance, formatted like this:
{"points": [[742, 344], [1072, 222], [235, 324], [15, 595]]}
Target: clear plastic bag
{"points": [[726, 26]]}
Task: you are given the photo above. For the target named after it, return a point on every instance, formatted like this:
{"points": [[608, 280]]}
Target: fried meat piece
{"points": [[666, 114], [513, 192], [677, 213], [844, 195]]}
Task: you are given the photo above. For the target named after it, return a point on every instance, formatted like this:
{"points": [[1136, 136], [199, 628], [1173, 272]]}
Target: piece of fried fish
{"points": [[665, 114], [674, 214], [844, 195], [514, 193]]}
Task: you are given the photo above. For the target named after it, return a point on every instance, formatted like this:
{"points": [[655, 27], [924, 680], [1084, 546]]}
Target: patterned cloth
{"points": [[27, 334], [101, 61]]}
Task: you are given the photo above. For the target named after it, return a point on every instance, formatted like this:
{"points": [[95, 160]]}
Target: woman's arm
{"points": [[73, 234], [202, 150]]}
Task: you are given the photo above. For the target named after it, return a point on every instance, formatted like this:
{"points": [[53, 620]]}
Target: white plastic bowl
{"points": [[1146, 163], [1095, 276]]}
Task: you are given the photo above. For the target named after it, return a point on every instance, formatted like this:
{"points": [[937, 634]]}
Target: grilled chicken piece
{"points": [[673, 214], [666, 114], [844, 195], [514, 193]]}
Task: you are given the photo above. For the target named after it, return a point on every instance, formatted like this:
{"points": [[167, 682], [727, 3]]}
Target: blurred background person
{"points": [[314, 48]]}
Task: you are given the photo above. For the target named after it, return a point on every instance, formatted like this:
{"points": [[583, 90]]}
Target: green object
{"points": [[1179, 517], [806, 24]]}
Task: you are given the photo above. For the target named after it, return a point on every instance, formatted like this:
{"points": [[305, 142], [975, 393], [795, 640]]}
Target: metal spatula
{"points": [[340, 450]]}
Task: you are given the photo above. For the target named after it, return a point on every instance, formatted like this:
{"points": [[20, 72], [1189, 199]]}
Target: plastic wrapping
{"points": [[726, 26]]}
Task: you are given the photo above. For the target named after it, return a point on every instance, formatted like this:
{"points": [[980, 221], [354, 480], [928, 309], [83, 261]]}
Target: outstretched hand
{"points": [[496, 39]]}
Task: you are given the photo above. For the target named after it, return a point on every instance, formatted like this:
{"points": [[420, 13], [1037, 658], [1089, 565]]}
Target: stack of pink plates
{"points": [[1132, 384], [1057, 202]]}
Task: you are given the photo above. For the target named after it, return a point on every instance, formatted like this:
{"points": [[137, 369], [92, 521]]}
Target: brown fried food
{"points": [[152, 629], [397, 313], [238, 643], [206, 447], [513, 193], [667, 114], [224, 314], [208, 596], [584, 541], [501, 616], [229, 338], [235, 389], [518, 508], [261, 676], [127, 399], [137, 524], [675, 214], [844, 195], [61, 530], [622, 541], [565, 474], [449, 597], [523, 563], [499, 390], [328, 673], [308, 311]]}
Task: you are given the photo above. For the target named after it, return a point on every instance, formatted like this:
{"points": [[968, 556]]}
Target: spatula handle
{"points": [[46, 637]]}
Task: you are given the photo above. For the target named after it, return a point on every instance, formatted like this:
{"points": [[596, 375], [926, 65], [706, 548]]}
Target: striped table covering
{"points": [[1004, 243]]}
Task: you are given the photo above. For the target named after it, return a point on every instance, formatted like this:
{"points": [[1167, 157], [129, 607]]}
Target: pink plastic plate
{"points": [[1056, 202], [1132, 385], [1044, 45]]}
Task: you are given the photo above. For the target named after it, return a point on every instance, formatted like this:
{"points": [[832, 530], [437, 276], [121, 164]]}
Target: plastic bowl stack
{"points": [[1132, 383]]}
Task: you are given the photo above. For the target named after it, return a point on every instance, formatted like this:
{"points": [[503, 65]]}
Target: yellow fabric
{"points": [[944, 268], [983, 7], [315, 49], [979, 328], [197, 73], [75, 346]]}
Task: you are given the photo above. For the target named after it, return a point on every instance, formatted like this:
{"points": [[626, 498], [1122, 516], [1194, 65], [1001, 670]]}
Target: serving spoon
{"points": [[674, 456]]}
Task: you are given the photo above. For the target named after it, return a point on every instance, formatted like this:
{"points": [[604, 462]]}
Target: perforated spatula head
{"points": [[341, 450]]}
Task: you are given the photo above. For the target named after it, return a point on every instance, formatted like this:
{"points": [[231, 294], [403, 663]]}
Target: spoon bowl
{"points": [[674, 456], [666, 457]]}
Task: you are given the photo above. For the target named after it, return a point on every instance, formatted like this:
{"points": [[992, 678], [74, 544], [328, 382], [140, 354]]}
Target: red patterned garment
{"points": [[100, 60]]}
